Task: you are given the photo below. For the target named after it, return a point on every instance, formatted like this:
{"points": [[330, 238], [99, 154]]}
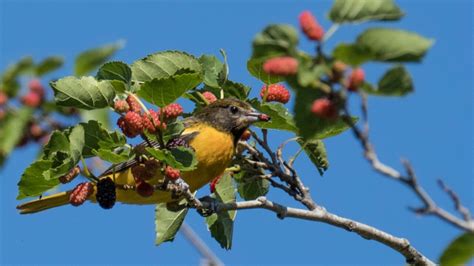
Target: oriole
{"points": [[212, 132]]}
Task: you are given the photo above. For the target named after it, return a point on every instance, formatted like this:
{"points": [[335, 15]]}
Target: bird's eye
{"points": [[234, 109]]}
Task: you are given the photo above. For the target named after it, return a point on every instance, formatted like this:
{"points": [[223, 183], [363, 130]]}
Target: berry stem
{"points": [[86, 171], [334, 27], [139, 102], [203, 98]]}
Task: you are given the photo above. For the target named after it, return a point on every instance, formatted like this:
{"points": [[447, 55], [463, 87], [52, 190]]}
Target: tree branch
{"points": [[409, 179], [401, 245]]}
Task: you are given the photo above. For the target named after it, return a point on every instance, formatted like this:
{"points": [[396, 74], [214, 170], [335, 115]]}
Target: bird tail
{"points": [[45, 203]]}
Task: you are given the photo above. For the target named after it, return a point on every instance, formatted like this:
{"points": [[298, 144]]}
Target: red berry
{"points": [[310, 26], [3, 98], [356, 79], [246, 135], [35, 86], [214, 182], [324, 108], [171, 111], [151, 122], [275, 93], [31, 99], [80, 193], [133, 104], [144, 189], [131, 124], [121, 106], [36, 132], [209, 96], [172, 173], [282, 66], [70, 176], [140, 172]]}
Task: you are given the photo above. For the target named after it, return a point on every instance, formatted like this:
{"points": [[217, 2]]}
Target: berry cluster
{"points": [[143, 173], [172, 173], [133, 122], [209, 96], [106, 194], [70, 176], [281, 66], [275, 93], [35, 95], [310, 26], [81, 193]]}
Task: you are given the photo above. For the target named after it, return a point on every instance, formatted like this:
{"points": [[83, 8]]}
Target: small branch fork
{"points": [[291, 183], [401, 245], [409, 179]]}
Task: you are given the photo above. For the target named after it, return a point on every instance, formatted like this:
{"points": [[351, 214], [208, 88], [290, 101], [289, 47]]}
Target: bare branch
{"points": [[201, 247], [410, 180], [457, 202], [401, 245]]}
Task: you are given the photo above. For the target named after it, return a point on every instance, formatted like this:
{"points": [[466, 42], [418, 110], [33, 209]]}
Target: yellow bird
{"points": [[212, 132]]}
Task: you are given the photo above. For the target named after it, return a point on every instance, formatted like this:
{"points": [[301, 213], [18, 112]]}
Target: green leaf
{"points": [[274, 40], [280, 116], [236, 90], [353, 11], [12, 129], [395, 82], [90, 60], [115, 71], [221, 224], [113, 156], [97, 137], [9, 78], [213, 69], [163, 65], [316, 152], [309, 74], [85, 92], [100, 115], [181, 158], [167, 223], [255, 68], [351, 54], [459, 252], [251, 187], [393, 45], [33, 183], [49, 64], [173, 130], [164, 91], [311, 126]]}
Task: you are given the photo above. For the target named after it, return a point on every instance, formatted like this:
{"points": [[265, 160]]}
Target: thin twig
{"points": [[200, 245], [466, 214]]}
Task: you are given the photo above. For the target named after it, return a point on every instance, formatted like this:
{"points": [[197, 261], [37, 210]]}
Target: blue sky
{"points": [[432, 127]]}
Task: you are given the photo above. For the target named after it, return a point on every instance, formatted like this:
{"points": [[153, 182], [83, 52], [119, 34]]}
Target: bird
{"points": [[213, 132]]}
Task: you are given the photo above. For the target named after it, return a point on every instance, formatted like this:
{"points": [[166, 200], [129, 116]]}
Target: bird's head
{"points": [[230, 115]]}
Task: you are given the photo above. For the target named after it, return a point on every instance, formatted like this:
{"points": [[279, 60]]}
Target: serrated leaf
{"points": [[32, 181], [309, 74], [351, 54], [255, 68], [276, 39], [251, 187], [167, 223], [90, 60], [163, 65], [311, 126], [97, 137], [181, 158], [49, 64], [459, 252], [113, 156], [115, 71], [9, 78], [13, 128], [100, 115], [353, 11], [393, 45], [164, 91], [221, 224], [213, 69], [395, 82], [316, 152], [173, 130], [280, 116], [236, 90], [85, 92]]}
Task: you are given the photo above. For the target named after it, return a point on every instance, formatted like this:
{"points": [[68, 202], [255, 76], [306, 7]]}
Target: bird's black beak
{"points": [[255, 116]]}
